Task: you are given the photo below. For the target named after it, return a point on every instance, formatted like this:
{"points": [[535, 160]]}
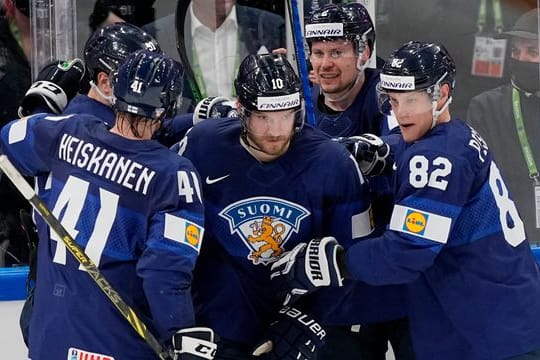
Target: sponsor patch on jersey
{"points": [[415, 222], [185, 232], [420, 223], [264, 224], [392, 82], [324, 30], [276, 103], [78, 354]]}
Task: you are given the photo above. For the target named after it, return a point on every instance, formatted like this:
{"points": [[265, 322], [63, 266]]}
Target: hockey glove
{"points": [[56, 84], [370, 152], [194, 344], [307, 267], [214, 107], [294, 335]]}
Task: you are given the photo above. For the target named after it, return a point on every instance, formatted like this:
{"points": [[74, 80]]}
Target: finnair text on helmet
{"points": [[324, 30], [393, 82], [276, 103]]}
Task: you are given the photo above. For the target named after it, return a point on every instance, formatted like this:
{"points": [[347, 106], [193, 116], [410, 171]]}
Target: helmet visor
{"points": [[403, 103]]}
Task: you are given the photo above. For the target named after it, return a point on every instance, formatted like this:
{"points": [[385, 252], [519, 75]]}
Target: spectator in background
{"points": [[218, 34], [15, 78], [136, 12], [507, 118]]}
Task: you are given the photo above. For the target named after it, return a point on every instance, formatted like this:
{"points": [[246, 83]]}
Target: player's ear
{"points": [[104, 83], [445, 92]]}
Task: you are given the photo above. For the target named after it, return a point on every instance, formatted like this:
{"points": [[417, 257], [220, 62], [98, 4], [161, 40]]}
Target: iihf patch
{"points": [[78, 354], [183, 231], [264, 224]]}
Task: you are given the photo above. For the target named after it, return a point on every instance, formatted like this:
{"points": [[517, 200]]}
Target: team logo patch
{"points": [[415, 222], [78, 354], [264, 224]]}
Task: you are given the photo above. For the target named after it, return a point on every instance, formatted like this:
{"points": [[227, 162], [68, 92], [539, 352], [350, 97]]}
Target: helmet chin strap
{"points": [[108, 98], [436, 113]]}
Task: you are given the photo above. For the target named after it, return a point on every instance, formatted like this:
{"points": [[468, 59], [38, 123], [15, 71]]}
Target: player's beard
{"points": [[274, 146]]}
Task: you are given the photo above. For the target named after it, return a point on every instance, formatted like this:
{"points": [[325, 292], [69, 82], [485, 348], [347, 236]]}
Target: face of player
{"points": [[334, 64], [413, 111], [525, 50], [271, 131]]}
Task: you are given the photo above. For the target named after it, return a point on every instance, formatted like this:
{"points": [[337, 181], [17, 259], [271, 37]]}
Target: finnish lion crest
{"points": [[264, 224], [268, 236]]}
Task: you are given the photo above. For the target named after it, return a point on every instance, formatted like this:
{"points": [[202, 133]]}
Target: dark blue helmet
{"points": [[148, 84], [418, 65], [268, 82], [347, 21], [107, 48]]}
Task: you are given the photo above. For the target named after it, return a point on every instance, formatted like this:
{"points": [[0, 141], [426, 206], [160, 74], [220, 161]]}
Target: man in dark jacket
{"points": [[507, 119]]}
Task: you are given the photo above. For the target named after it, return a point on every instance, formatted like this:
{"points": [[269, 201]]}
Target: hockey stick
{"points": [[301, 59], [180, 19], [129, 314]]}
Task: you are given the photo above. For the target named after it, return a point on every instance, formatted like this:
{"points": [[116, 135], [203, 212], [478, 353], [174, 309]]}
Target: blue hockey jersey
{"points": [[363, 116], [83, 104], [135, 207], [255, 211], [457, 240]]}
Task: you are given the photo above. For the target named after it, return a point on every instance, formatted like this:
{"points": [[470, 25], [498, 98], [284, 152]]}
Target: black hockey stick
{"points": [[180, 20], [129, 314]]}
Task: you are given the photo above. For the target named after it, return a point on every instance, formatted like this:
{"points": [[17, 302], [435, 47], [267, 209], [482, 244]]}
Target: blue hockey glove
{"points": [[371, 153], [214, 107], [307, 267], [294, 335], [194, 343], [56, 84]]}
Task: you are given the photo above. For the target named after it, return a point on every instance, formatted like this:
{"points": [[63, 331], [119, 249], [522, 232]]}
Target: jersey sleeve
{"points": [[30, 142], [348, 208], [432, 190], [170, 252]]}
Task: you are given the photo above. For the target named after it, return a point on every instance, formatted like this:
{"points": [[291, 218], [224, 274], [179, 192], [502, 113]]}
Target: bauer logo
{"points": [[392, 82], [78, 354], [276, 103], [324, 30]]}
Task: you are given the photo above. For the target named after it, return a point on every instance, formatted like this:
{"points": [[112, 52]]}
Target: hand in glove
{"points": [[370, 152], [56, 84]]}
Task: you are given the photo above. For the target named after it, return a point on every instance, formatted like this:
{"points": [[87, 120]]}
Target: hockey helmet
{"points": [[342, 21], [148, 84], [268, 82], [107, 48]]}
